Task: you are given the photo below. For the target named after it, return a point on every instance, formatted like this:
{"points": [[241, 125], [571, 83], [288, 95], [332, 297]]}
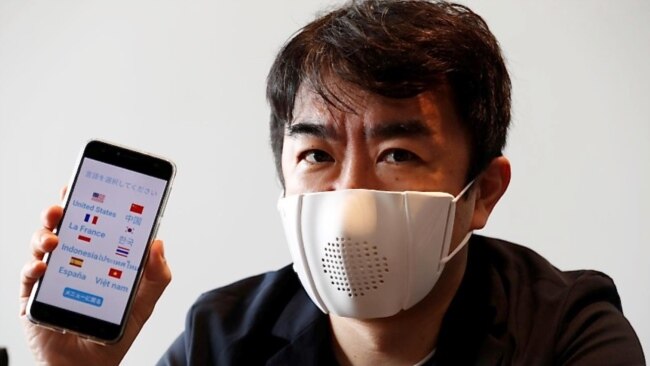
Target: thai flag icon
{"points": [[122, 251]]}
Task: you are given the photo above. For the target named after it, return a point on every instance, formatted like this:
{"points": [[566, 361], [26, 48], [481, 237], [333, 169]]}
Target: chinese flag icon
{"points": [[115, 273], [136, 208]]}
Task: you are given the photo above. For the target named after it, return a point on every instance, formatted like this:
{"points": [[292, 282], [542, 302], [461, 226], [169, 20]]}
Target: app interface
{"points": [[102, 239]]}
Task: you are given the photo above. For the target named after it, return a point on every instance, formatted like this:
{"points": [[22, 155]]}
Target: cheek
{"points": [[294, 181], [288, 168], [289, 158], [285, 160]]}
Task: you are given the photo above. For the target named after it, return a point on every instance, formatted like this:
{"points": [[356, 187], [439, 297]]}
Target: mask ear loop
{"points": [[467, 236], [458, 248], [463, 191]]}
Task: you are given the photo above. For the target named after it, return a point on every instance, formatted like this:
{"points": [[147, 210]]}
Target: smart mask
{"points": [[369, 254]]}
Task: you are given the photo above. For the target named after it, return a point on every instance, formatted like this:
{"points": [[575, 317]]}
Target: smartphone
{"points": [[112, 210]]}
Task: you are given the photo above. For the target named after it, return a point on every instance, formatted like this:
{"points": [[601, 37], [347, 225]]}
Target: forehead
{"points": [[345, 107]]}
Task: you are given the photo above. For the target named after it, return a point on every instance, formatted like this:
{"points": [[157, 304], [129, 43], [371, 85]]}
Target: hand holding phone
{"points": [[51, 347], [96, 249]]}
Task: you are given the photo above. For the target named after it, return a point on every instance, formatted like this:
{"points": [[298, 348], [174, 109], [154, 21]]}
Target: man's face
{"points": [[413, 144]]}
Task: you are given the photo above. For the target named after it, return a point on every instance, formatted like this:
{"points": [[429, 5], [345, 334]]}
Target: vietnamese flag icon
{"points": [[116, 273], [136, 208]]}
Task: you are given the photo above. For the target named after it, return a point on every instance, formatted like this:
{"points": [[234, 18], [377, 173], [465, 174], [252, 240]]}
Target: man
{"points": [[388, 123]]}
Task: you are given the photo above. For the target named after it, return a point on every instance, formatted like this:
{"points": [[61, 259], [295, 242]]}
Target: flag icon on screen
{"points": [[84, 238], [77, 262], [136, 208], [129, 230], [91, 219], [122, 251], [115, 273], [98, 197]]}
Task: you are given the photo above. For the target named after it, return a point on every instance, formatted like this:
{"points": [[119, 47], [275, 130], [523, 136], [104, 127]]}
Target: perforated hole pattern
{"points": [[354, 267]]}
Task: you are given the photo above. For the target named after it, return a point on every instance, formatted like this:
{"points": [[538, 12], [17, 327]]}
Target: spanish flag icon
{"points": [[77, 262]]}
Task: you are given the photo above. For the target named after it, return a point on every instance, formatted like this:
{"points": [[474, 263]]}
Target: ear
{"points": [[490, 185]]}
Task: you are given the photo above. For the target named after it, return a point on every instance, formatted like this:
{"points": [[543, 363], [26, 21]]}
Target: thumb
{"points": [[157, 270], [157, 276]]}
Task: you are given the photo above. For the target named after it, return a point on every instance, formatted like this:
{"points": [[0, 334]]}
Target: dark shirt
{"points": [[512, 308]]}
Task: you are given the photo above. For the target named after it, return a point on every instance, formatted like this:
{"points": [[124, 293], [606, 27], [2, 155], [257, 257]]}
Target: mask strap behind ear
{"points": [[464, 190]]}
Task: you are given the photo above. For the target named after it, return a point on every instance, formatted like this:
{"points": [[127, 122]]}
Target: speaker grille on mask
{"points": [[354, 267]]}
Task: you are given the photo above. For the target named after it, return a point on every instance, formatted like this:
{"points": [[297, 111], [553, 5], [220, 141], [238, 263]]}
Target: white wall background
{"points": [[186, 80]]}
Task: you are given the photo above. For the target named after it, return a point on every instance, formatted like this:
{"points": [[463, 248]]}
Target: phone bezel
{"points": [[64, 320]]}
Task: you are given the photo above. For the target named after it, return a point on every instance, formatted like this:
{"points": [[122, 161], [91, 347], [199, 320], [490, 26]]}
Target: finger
{"points": [[30, 273], [43, 241], [51, 217], [156, 277], [157, 269], [154, 281]]}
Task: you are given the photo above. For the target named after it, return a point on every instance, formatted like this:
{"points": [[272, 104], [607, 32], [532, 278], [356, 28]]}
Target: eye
{"points": [[397, 156], [316, 157]]}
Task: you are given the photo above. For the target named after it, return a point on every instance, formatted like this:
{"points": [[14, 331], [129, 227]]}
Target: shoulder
{"points": [[571, 317], [522, 269], [225, 324], [264, 292], [244, 308]]}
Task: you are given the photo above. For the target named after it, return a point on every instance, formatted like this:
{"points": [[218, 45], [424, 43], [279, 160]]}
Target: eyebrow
{"points": [[310, 129], [387, 130], [396, 129]]}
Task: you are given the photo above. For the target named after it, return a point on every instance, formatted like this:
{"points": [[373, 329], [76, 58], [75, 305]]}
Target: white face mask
{"points": [[369, 254]]}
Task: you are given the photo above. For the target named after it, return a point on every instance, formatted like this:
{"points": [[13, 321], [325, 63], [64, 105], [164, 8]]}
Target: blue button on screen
{"points": [[84, 297]]}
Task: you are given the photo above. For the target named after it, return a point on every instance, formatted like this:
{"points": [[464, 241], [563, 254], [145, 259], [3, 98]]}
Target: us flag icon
{"points": [[98, 197]]}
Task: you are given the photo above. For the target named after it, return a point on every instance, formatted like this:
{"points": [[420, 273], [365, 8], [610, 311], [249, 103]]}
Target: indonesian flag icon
{"points": [[116, 273], [84, 238], [136, 208]]}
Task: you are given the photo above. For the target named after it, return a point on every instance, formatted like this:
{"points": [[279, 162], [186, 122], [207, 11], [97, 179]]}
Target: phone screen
{"points": [[103, 237], [111, 215]]}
